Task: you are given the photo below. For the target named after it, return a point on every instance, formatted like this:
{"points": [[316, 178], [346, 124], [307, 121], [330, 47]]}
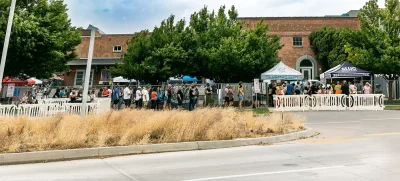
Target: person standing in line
{"points": [[284, 88], [127, 97], [314, 88], [92, 96], [154, 98], [138, 98], [273, 94], [297, 91], [165, 98], [158, 98], [169, 100], [240, 96], [289, 89], [345, 88], [353, 88], [105, 92], [230, 94], [226, 95], [299, 87], [180, 98], [145, 97], [359, 88], [115, 98], [367, 88], [192, 95], [208, 95], [338, 88]]}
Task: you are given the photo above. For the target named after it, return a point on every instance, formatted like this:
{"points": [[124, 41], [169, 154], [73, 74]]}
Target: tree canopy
{"points": [[42, 38], [211, 45], [376, 46], [328, 44]]}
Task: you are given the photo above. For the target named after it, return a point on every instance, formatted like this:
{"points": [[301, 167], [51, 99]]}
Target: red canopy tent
{"points": [[16, 81]]}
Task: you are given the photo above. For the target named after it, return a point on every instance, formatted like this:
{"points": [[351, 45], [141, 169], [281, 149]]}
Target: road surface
{"points": [[352, 146]]}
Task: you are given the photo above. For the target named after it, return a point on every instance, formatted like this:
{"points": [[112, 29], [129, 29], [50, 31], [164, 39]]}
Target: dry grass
{"points": [[130, 127]]}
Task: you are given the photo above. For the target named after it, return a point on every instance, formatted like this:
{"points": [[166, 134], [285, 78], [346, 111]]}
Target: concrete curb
{"points": [[58, 155]]}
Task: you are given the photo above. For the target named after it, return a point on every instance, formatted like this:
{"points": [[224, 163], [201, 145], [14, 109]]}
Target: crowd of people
{"points": [[343, 87]]}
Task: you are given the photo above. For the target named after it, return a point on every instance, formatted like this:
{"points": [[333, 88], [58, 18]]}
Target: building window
{"points": [[117, 48], [298, 41], [80, 77]]}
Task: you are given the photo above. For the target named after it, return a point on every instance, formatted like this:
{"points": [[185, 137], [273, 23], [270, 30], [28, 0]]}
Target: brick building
{"points": [[108, 49], [294, 33]]}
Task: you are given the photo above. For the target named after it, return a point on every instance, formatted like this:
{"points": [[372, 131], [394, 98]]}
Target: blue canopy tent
{"points": [[189, 79], [346, 70]]}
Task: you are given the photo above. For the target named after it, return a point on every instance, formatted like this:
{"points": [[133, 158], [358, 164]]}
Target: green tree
{"points": [[42, 39], [212, 45], [376, 46], [328, 44]]}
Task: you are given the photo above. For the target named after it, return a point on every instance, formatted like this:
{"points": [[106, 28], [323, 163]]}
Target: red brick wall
{"points": [[104, 46], [288, 27]]}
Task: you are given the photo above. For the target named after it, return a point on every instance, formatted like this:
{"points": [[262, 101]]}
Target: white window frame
{"points": [[297, 41], [117, 50], [84, 74]]}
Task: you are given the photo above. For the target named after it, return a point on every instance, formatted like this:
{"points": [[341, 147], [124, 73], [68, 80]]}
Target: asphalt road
{"points": [[352, 146]]}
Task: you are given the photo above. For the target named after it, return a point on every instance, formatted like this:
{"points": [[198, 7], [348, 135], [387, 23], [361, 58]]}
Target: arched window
{"points": [[306, 63]]}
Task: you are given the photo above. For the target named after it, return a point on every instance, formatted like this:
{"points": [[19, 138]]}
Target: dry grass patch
{"points": [[131, 127]]}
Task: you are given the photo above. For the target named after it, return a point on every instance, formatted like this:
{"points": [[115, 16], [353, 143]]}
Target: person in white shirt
{"points": [[138, 98], [353, 88], [127, 97], [145, 97]]}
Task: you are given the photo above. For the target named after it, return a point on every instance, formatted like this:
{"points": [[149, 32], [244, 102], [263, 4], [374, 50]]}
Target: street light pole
{"points": [[88, 70], [6, 42]]}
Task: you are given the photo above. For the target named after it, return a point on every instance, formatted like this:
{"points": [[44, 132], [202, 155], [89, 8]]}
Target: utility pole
{"points": [[88, 70], [6, 42]]}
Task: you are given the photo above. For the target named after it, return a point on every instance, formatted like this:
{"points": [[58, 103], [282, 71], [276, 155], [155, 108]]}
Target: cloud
{"points": [[128, 16]]}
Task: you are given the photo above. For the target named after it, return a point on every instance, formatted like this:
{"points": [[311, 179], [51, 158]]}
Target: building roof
{"points": [[96, 61]]}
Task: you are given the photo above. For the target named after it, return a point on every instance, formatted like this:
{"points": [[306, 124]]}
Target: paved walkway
{"points": [[352, 146]]}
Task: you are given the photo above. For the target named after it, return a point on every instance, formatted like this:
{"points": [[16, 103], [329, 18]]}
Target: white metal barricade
{"points": [[37, 110], [329, 102], [8, 110], [292, 102], [367, 102]]}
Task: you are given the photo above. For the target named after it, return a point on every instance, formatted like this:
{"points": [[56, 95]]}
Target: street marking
{"points": [[383, 119], [336, 122], [383, 134], [330, 141], [264, 173], [120, 171]]}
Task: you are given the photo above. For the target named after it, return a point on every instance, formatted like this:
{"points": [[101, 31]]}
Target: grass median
{"points": [[138, 127]]}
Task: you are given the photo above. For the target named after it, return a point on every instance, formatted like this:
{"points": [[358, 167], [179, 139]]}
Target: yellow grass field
{"points": [[133, 127]]}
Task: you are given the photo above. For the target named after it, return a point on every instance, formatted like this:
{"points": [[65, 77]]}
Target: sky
{"points": [[129, 16]]}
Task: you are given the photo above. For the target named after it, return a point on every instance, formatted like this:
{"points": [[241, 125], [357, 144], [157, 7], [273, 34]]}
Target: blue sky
{"points": [[128, 16]]}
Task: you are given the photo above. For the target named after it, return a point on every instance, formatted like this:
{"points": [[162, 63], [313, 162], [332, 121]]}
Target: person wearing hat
{"points": [[367, 88]]}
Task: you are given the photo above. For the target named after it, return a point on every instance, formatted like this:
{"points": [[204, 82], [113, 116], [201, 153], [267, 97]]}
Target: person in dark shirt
{"points": [[296, 91], [273, 92], [192, 97], [314, 88], [345, 88], [180, 98]]}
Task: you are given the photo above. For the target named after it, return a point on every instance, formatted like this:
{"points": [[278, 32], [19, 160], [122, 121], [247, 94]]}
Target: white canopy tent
{"points": [[37, 81], [122, 80], [282, 72]]}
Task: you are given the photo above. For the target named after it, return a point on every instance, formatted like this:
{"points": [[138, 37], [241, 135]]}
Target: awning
{"points": [[282, 72]]}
